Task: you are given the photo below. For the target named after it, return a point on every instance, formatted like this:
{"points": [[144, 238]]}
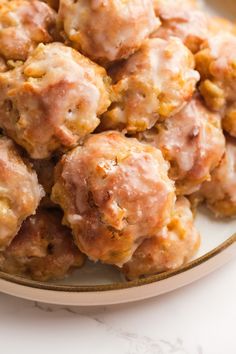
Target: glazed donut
{"points": [[172, 247], [217, 66], [153, 84], [107, 30], [53, 100], [20, 192], [192, 141], [183, 19], [43, 249], [220, 192], [23, 25], [115, 192]]}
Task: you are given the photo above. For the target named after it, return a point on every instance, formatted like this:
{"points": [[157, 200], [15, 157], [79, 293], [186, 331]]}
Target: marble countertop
{"points": [[197, 319]]}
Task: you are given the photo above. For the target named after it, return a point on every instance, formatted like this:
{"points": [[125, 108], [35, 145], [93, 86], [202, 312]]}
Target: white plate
{"points": [[104, 285]]}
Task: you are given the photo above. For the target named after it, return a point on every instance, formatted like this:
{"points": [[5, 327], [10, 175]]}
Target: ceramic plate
{"points": [[103, 285]]}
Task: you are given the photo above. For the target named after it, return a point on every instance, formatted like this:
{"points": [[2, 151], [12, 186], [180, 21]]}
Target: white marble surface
{"points": [[197, 319]]}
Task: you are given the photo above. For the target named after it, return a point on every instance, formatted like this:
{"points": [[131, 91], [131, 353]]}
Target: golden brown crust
{"points": [[107, 30], [20, 192], [43, 249], [53, 100], [170, 248], [114, 192], [156, 82], [23, 25]]}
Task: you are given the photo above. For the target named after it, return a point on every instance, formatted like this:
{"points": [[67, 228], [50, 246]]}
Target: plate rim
{"points": [[119, 285]]}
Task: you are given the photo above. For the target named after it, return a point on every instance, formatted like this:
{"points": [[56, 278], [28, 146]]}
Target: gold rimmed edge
{"points": [[121, 285]]}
